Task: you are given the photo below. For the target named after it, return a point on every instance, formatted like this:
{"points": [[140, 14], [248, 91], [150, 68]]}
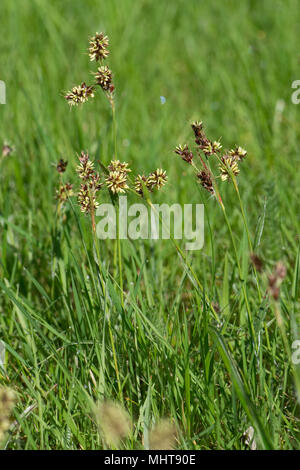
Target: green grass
{"points": [[164, 354]]}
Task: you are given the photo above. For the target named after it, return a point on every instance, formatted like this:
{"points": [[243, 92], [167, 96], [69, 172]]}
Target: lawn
{"points": [[201, 341]]}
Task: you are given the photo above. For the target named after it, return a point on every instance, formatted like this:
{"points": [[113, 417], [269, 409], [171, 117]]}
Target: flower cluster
{"points": [[98, 52], [80, 94], [206, 148], [90, 186], [98, 49], [155, 180], [7, 401]]}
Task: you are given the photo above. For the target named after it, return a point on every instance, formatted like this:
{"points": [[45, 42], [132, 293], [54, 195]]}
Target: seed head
{"points": [[7, 401], [80, 94], [103, 77], [113, 422], [61, 166], [157, 179], [98, 47], [184, 153], [116, 181], [228, 163]]}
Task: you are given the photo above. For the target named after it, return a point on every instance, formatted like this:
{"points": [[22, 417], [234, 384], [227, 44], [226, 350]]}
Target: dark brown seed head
{"points": [[61, 166]]}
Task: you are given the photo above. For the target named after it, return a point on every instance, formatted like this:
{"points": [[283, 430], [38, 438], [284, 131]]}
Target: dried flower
{"points": [[61, 166], [113, 422], [116, 165], [205, 179], [238, 153], [116, 182], [184, 153], [163, 436], [86, 168], [228, 165], [64, 192], [197, 127], [275, 279], [80, 94], [103, 78], [157, 179], [7, 401], [98, 47]]}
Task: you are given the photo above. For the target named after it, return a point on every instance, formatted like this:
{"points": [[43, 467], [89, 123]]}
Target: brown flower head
{"points": [[80, 94], [103, 77], [238, 153], [98, 47], [61, 166], [184, 152], [85, 169], [205, 180]]}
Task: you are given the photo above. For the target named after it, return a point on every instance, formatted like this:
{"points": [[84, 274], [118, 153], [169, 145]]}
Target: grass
{"points": [[163, 352]]}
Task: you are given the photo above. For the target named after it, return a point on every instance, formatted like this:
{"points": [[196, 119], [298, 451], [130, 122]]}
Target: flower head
{"points": [[184, 152], [141, 181], [157, 179], [116, 181], [98, 47], [103, 78], [87, 198], [205, 180], [238, 153], [228, 165], [61, 166], [80, 94], [85, 169]]}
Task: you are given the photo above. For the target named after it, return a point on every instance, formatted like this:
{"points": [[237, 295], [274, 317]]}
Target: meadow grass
{"points": [[193, 340]]}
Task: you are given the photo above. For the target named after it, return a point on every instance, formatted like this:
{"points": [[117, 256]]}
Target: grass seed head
{"points": [[205, 180], [64, 192]]}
